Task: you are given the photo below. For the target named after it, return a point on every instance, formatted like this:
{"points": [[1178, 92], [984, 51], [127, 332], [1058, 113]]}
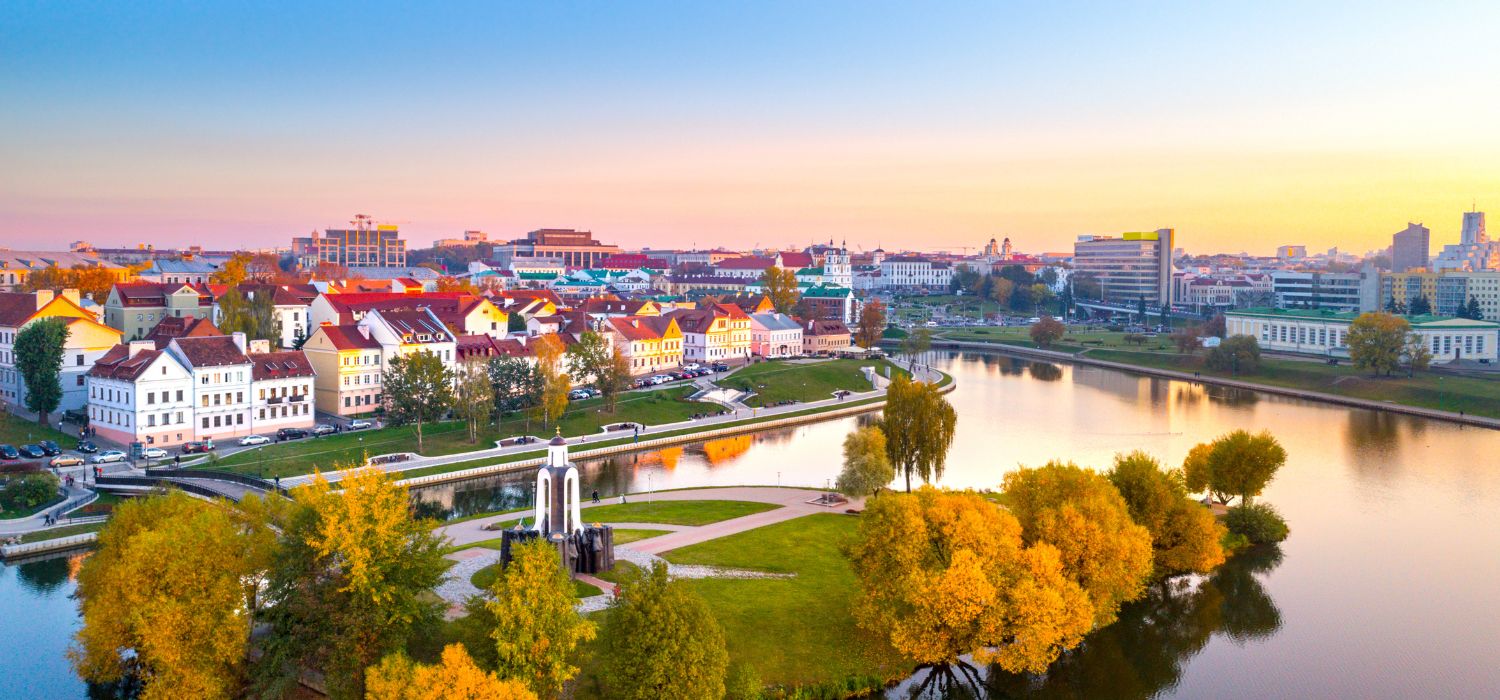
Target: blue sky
{"points": [[914, 124]]}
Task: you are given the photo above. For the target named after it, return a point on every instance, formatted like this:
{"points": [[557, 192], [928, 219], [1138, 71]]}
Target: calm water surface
{"points": [[1388, 587]]}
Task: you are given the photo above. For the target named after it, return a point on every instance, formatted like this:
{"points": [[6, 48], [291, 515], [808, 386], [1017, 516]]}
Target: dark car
{"points": [[197, 447], [9, 452], [291, 434], [721, 367], [87, 447], [32, 452], [50, 448]]}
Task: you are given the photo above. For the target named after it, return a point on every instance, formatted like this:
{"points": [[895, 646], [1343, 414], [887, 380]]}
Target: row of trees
{"points": [[945, 574], [1011, 287], [1422, 305]]}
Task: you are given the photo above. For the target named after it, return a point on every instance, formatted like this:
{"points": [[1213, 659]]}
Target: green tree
{"points": [[1086, 286], [38, 358], [352, 581], [1001, 290], [780, 286], [536, 627], [1047, 331], [942, 574], [25, 492], [167, 595], [1235, 354], [1415, 355], [1079, 512], [1040, 295], [1420, 306], [603, 367], [518, 384], [918, 341], [1235, 464], [1184, 535], [474, 396], [919, 425], [1472, 310], [1376, 342], [867, 466], [255, 316], [417, 388], [660, 640]]}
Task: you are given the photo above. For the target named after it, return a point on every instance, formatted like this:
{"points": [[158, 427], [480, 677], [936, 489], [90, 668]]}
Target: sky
{"points": [[903, 125]]}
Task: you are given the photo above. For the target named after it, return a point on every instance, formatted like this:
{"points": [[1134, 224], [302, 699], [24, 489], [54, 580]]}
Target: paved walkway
{"points": [[37, 521]]}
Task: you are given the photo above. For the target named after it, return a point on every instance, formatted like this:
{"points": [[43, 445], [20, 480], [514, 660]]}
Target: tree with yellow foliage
{"points": [[555, 383], [536, 625], [352, 581], [943, 574], [919, 425], [1184, 535], [167, 598], [456, 677], [1080, 513]]}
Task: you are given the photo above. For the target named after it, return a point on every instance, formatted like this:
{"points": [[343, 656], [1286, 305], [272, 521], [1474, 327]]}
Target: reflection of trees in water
{"points": [[1045, 371], [1374, 436], [44, 577], [725, 450], [1143, 653]]}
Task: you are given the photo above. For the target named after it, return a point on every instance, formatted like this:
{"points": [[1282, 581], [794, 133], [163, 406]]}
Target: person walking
{"points": [[596, 496]]}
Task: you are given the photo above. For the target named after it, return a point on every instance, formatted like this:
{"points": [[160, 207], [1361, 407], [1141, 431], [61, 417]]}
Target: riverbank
{"points": [[1480, 408]]}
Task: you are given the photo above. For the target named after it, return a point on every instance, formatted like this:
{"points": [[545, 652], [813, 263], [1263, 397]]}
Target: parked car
{"points": [[50, 447], [87, 447], [254, 440], [198, 447], [9, 452], [578, 394], [692, 366], [681, 375], [660, 379], [721, 367], [291, 434], [322, 429], [108, 456], [154, 453], [66, 461], [32, 452], [359, 424]]}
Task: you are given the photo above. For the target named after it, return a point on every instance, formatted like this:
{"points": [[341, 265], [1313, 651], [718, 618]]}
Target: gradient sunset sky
{"points": [[923, 125]]}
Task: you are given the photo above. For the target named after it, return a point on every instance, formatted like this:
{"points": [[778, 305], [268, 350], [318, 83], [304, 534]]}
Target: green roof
{"points": [[827, 290], [537, 275], [1349, 316], [811, 271]]}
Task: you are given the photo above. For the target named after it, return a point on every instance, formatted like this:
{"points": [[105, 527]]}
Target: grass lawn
{"points": [[674, 512], [1473, 395], [15, 430], [487, 544], [60, 532], [1077, 339], [796, 631], [345, 449], [799, 381], [484, 578], [626, 535]]}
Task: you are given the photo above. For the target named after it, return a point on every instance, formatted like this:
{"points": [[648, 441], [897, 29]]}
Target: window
{"points": [[179, 394], [150, 397], [80, 380], [239, 419], [78, 361], [346, 402], [205, 422]]}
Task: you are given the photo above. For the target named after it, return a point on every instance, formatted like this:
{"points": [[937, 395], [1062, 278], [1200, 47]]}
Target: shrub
{"points": [[742, 683], [1257, 522], [27, 491]]}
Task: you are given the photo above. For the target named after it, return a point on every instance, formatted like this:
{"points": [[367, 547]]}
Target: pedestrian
{"points": [[637, 433], [596, 495], [278, 483]]}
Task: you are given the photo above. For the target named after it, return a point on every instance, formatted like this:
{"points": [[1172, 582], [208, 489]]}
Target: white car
{"points": [[154, 453], [254, 440], [359, 424], [108, 456], [322, 429]]}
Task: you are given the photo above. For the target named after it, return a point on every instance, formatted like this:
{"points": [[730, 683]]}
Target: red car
{"points": [[198, 447]]}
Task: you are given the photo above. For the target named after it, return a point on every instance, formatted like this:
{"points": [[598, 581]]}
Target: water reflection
{"points": [[1045, 371], [1143, 653]]}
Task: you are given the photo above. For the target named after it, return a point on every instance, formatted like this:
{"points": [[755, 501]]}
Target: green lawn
{"points": [[60, 532], [799, 381], [626, 535], [796, 631], [1478, 396], [17, 431], [674, 512], [487, 544], [484, 578], [1077, 339], [335, 451]]}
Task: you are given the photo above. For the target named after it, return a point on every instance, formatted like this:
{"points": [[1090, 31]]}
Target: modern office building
{"points": [[365, 245], [1129, 268], [1291, 251], [1339, 291], [1449, 292], [572, 248], [1409, 248]]}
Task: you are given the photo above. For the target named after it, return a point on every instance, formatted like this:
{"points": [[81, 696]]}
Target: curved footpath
{"points": [[1305, 394]]}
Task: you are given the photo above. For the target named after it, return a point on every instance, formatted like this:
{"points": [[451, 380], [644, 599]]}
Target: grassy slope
{"points": [[675, 512], [813, 381], [18, 431], [583, 417], [794, 631], [60, 532]]}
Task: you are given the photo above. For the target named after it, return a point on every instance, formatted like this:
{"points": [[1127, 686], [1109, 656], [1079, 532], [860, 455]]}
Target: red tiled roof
{"points": [[211, 351], [280, 365], [155, 294], [823, 326], [16, 307], [348, 337], [116, 363], [746, 263], [181, 327], [796, 260]]}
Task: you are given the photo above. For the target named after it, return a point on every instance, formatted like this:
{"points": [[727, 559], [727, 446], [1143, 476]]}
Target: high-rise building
{"points": [[1291, 251], [1129, 268], [571, 248], [365, 245], [1474, 252], [1409, 248], [1473, 231]]}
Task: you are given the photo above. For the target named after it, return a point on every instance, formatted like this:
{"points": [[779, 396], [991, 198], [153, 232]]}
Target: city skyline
{"points": [[674, 126]]}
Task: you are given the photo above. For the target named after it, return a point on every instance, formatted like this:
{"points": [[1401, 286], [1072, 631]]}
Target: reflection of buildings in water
{"points": [[775, 436], [725, 450], [665, 458], [1045, 371], [1131, 389]]}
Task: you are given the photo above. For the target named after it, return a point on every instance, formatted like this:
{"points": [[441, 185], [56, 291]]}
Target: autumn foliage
{"points": [[456, 677]]}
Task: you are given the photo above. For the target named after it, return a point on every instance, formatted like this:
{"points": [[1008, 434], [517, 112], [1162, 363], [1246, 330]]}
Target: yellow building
{"points": [[87, 341], [649, 343], [1405, 287], [348, 363]]}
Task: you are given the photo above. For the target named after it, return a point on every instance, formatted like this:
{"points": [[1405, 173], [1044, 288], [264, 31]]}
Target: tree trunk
{"points": [[419, 434]]}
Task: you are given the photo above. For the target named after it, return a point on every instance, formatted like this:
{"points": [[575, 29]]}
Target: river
{"points": [[1386, 587]]}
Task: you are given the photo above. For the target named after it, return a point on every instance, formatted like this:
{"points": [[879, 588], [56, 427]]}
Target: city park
{"points": [[343, 588]]}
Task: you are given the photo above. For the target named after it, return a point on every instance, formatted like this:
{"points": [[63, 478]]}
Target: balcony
{"points": [[297, 399], [274, 400]]}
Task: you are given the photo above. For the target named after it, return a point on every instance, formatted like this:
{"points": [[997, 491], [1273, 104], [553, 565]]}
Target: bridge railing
{"points": [[244, 479], [157, 482]]}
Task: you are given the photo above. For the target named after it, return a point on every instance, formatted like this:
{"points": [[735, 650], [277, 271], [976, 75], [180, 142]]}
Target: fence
{"points": [[158, 482], [245, 479]]}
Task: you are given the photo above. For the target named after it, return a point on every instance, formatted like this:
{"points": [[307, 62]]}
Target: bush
{"points": [[27, 491], [1257, 522], [1236, 354], [742, 683]]}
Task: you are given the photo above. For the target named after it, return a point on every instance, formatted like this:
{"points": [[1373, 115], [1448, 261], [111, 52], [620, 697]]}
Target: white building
{"points": [[137, 393], [910, 273], [221, 376], [281, 389], [1325, 333], [1339, 291], [775, 335], [179, 272], [87, 341]]}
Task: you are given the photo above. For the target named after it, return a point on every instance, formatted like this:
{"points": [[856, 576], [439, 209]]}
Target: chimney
{"points": [[136, 346], [43, 298], [71, 295], [260, 346], [239, 340]]}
